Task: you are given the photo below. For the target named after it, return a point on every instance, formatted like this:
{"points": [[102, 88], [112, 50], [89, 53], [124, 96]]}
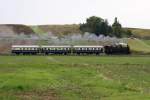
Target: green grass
{"points": [[37, 30], [147, 41], [139, 46], [59, 30], [74, 78]]}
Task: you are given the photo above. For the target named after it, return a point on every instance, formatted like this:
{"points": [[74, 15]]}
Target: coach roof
{"points": [[46, 46], [25, 46], [88, 46]]}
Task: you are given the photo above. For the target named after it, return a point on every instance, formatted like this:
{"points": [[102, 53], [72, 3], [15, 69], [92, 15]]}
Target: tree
{"points": [[99, 26], [95, 25], [117, 28]]}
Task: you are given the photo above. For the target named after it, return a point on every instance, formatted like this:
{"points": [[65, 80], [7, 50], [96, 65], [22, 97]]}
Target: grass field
{"points": [[147, 41], [74, 78]]}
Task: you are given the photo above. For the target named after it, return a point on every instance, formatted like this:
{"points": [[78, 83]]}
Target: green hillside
{"points": [[139, 46], [57, 29], [141, 33], [74, 28], [147, 41]]}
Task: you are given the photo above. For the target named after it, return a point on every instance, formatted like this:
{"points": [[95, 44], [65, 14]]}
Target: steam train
{"points": [[120, 48]]}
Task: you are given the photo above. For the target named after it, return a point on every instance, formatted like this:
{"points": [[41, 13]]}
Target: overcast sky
{"points": [[131, 13]]}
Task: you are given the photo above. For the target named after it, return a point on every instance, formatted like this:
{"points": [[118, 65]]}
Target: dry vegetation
{"points": [[9, 29], [57, 29], [141, 33]]}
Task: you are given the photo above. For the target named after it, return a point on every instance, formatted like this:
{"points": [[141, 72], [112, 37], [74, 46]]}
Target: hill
{"points": [[57, 29], [74, 28], [139, 46], [141, 33], [10, 29]]}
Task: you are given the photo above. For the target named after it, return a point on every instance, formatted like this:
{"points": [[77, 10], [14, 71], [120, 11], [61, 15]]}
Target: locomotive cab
{"points": [[118, 48]]}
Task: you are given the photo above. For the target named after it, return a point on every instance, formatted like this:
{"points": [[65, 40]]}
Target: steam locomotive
{"points": [[120, 48]]}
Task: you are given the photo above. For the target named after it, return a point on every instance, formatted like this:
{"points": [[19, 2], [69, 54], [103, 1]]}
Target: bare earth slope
{"points": [[10, 29]]}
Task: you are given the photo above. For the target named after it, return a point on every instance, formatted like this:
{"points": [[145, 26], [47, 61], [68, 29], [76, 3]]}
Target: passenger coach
{"points": [[25, 49], [56, 50], [88, 50]]}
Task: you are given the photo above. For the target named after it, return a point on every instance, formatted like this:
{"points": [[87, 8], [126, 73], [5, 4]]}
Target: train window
{"points": [[57, 49], [16, 48]]}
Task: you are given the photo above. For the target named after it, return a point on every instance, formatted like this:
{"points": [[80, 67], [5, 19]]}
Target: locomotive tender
{"points": [[120, 48]]}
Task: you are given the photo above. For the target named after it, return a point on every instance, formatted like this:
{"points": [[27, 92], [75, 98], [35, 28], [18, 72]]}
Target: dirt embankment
{"points": [[7, 31], [10, 29]]}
